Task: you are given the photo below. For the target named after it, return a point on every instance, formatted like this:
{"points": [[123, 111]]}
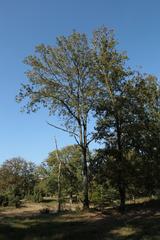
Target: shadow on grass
{"points": [[49, 200], [141, 222]]}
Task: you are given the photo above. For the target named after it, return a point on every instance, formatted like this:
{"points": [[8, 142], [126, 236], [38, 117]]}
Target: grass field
{"points": [[140, 222]]}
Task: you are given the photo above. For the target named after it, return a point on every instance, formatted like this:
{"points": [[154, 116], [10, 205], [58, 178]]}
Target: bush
{"points": [[37, 197], [45, 211], [1, 199], [4, 202], [14, 201], [17, 202]]}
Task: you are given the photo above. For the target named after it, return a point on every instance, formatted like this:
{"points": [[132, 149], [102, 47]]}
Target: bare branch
{"points": [[91, 140], [62, 129], [76, 140], [94, 136]]}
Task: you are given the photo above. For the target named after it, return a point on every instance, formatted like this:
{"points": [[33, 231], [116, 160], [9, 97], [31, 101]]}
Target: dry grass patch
{"points": [[124, 231]]}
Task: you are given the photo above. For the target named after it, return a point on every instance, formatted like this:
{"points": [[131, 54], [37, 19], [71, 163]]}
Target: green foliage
{"points": [[78, 78], [59, 79], [4, 202], [71, 172], [37, 197], [103, 196], [14, 200], [17, 175], [65, 79], [38, 194], [10, 200], [128, 121], [17, 179]]}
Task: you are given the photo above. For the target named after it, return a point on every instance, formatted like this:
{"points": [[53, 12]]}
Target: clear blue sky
{"points": [[26, 23]]}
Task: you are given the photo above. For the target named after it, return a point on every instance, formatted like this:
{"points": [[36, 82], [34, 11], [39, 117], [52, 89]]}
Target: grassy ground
{"points": [[140, 222]]}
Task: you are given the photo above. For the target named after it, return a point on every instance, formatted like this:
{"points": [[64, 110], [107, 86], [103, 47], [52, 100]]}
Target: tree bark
{"points": [[122, 193], [83, 145], [121, 181], [85, 181], [59, 188], [59, 179]]}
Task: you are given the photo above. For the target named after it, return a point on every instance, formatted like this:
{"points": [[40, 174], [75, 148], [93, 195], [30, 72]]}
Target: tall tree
{"points": [[60, 80], [127, 121], [111, 71], [144, 96], [64, 80]]}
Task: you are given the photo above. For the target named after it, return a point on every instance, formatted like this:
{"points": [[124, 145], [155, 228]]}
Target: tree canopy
{"points": [[80, 79]]}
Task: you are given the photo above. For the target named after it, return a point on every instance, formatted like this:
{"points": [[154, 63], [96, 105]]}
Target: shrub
{"points": [[45, 211], [37, 197], [14, 200], [4, 201]]}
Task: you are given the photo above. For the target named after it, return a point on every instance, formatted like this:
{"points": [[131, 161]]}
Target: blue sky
{"points": [[24, 24]]}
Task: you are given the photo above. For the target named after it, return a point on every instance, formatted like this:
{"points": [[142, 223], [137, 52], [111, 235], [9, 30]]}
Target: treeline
{"points": [[61, 176], [80, 79], [17, 180]]}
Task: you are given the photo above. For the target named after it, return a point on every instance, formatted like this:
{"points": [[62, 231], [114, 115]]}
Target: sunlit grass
{"points": [[124, 231]]}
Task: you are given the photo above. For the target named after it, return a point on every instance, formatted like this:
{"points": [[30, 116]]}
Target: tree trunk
{"points": [[59, 188], [122, 193], [70, 200], [121, 180], [83, 145], [85, 180], [70, 197], [59, 179]]}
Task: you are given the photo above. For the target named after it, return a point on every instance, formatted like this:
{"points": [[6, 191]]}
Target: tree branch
{"points": [[91, 140], [64, 130]]}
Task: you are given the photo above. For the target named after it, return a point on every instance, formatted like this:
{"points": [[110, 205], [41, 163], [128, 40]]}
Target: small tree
{"points": [[71, 170], [17, 179]]}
